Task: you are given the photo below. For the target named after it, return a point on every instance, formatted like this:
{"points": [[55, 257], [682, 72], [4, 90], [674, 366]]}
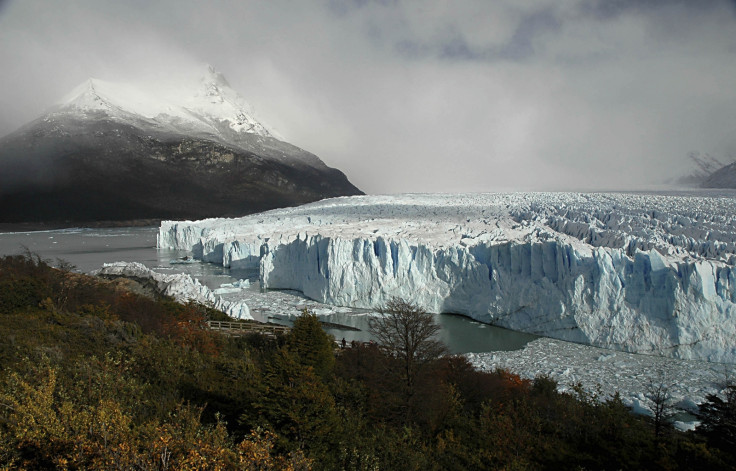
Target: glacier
{"points": [[637, 272], [180, 286]]}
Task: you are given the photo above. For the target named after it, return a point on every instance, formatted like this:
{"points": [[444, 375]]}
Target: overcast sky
{"points": [[418, 96]]}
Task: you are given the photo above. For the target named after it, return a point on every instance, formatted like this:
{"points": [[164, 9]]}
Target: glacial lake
{"points": [[87, 249]]}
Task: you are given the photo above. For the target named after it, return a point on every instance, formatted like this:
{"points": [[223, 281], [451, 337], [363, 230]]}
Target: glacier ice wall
{"points": [[634, 272]]}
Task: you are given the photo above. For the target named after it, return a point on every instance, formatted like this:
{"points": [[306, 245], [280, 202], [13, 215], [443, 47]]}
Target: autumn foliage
{"points": [[96, 377]]}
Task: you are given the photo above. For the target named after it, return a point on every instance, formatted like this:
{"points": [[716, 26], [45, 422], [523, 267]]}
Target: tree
{"points": [[295, 403], [658, 391], [718, 418], [311, 345], [408, 333]]}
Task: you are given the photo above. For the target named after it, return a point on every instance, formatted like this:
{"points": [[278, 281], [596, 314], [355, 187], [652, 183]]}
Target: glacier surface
{"points": [[645, 273]]}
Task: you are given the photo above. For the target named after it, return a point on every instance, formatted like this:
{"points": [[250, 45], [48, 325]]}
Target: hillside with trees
{"points": [[98, 375]]}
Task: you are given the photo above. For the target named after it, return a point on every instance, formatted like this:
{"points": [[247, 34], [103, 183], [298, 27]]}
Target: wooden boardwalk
{"points": [[236, 329]]}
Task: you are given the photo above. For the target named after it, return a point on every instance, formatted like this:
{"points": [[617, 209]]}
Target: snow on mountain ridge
{"points": [[204, 108], [645, 273]]}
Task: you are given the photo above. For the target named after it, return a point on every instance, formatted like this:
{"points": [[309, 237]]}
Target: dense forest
{"points": [[101, 374]]}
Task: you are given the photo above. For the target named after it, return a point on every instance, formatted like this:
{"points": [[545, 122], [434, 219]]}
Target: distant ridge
{"points": [[701, 167], [724, 177]]}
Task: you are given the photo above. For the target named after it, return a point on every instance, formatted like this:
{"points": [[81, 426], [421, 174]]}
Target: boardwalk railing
{"points": [[244, 328]]}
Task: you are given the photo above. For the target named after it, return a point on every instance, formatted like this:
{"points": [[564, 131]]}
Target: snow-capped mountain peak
{"points": [[122, 151], [94, 94], [216, 98], [213, 83], [211, 107]]}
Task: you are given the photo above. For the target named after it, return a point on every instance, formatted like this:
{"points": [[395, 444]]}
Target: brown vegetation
{"points": [[97, 378]]}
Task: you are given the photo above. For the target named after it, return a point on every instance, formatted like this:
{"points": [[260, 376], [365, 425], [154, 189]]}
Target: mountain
{"points": [[699, 169], [724, 177], [112, 151]]}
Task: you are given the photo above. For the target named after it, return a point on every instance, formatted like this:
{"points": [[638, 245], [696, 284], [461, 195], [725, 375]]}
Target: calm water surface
{"points": [[88, 249]]}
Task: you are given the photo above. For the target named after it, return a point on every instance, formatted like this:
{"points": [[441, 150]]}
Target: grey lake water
{"points": [[88, 249]]}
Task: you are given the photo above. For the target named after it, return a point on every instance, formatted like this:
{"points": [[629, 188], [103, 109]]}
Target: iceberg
{"points": [[643, 273]]}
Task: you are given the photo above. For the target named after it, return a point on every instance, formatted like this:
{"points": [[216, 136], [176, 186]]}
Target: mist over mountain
{"points": [[724, 177], [694, 170], [701, 166], [112, 151]]}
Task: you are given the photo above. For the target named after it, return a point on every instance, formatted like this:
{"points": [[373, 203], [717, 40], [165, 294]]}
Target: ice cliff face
{"points": [[636, 272]]}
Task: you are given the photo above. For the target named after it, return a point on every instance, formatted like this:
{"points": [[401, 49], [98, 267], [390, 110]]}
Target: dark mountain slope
{"points": [[82, 163], [722, 178]]}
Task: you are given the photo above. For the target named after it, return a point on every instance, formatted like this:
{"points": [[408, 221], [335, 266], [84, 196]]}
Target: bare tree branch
{"points": [[407, 332]]}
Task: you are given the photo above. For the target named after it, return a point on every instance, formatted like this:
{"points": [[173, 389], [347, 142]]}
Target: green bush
{"points": [[21, 293]]}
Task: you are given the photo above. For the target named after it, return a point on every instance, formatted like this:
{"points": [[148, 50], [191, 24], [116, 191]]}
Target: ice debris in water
{"points": [[234, 287], [688, 382]]}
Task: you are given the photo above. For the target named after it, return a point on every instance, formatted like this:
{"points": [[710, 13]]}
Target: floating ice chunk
{"points": [[685, 426], [230, 290], [234, 287], [183, 261]]}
